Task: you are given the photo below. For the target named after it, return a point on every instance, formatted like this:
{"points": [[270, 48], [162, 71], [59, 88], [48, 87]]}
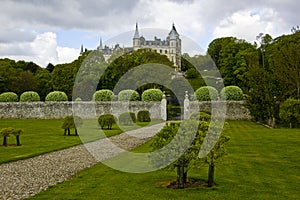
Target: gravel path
{"points": [[25, 178]]}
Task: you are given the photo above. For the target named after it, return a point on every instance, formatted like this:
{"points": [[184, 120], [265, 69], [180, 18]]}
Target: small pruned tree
{"points": [[5, 132], [106, 120], [143, 116], [17, 133], [71, 122]]}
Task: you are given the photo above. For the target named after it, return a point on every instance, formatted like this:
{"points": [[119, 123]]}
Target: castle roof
{"points": [[173, 33], [136, 33]]}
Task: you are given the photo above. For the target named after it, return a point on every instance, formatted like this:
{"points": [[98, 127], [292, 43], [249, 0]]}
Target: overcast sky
{"points": [[52, 31]]}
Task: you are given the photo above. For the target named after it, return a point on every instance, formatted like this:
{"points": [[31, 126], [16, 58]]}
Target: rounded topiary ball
{"points": [[128, 95], [233, 93], [29, 96], [103, 95], [206, 93], [56, 96], [8, 97], [152, 95]]}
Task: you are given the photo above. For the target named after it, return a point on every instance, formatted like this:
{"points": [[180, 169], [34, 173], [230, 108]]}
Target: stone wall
{"points": [[53, 110], [235, 110]]}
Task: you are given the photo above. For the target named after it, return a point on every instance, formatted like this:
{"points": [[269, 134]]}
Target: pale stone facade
{"points": [[171, 46]]}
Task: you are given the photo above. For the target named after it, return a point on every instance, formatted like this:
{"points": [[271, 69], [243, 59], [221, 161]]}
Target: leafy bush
{"points": [[127, 118], [290, 113], [56, 96], [103, 95], [152, 95], [232, 93], [29, 96], [106, 120], [128, 95], [78, 99], [202, 116], [8, 97], [71, 122], [191, 73], [206, 93], [143, 116]]}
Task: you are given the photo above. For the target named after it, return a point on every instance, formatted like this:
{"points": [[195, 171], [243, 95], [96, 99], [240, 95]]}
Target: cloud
{"points": [[247, 24], [42, 50]]}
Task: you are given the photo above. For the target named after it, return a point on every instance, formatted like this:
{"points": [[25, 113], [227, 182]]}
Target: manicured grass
{"points": [[262, 163], [42, 136]]}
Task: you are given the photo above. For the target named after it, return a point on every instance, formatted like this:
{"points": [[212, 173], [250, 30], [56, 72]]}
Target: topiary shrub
{"points": [[206, 93], [8, 97], [103, 95], [128, 95], [78, 99], [127, 118], [290, 113], [71, 122], [56, 96], [29, 96], [143, 116], [232, 93], [152, 95], [106, 120]]}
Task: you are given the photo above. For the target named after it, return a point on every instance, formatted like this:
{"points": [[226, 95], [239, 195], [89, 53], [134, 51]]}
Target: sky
{"points": [[52, 31]]}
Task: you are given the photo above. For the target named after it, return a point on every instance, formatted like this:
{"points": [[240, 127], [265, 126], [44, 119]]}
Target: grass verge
{"points": [[262, 163]]}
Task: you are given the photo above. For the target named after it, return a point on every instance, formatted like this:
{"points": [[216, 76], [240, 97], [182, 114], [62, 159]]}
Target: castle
{"points": [[171, 46]]}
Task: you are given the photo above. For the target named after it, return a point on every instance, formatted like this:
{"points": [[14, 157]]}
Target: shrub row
{"points": [[127, 118], [208, 93]]}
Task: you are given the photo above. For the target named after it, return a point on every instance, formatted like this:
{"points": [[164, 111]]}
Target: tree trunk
{"points": [[65, 132], [181, 176], [18, 140], [211, 174], [76, 133], [69, 132], [4, 140]]}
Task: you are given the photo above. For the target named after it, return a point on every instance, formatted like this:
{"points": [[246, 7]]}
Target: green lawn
{"points": [[45, 135], [262, 163]]}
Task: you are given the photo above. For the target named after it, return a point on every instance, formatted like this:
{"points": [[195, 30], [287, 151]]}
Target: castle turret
{"points": [[136, 38], [100, 47], [175, 47]]}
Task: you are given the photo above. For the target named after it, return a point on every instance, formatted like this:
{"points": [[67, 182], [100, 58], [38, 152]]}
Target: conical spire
{"points": [[81, 49], [173, 33], [136, 33], [100, 45]]}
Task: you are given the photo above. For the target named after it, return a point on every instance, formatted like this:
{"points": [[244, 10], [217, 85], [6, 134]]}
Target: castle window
{"points": [[160, 51], [166, 51]]}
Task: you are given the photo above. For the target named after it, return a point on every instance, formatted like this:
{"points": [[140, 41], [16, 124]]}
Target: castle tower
{"points": [[100, 47], [136, 39], [175, 47]]}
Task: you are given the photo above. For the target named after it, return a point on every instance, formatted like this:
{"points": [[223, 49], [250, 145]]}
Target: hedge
{"points": [[152, 95], [29, 96], [56, 96], [206, 93], [128, 95], [143, 116], [232, 93], [103, 95], [127, 118], [8, 97]]}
